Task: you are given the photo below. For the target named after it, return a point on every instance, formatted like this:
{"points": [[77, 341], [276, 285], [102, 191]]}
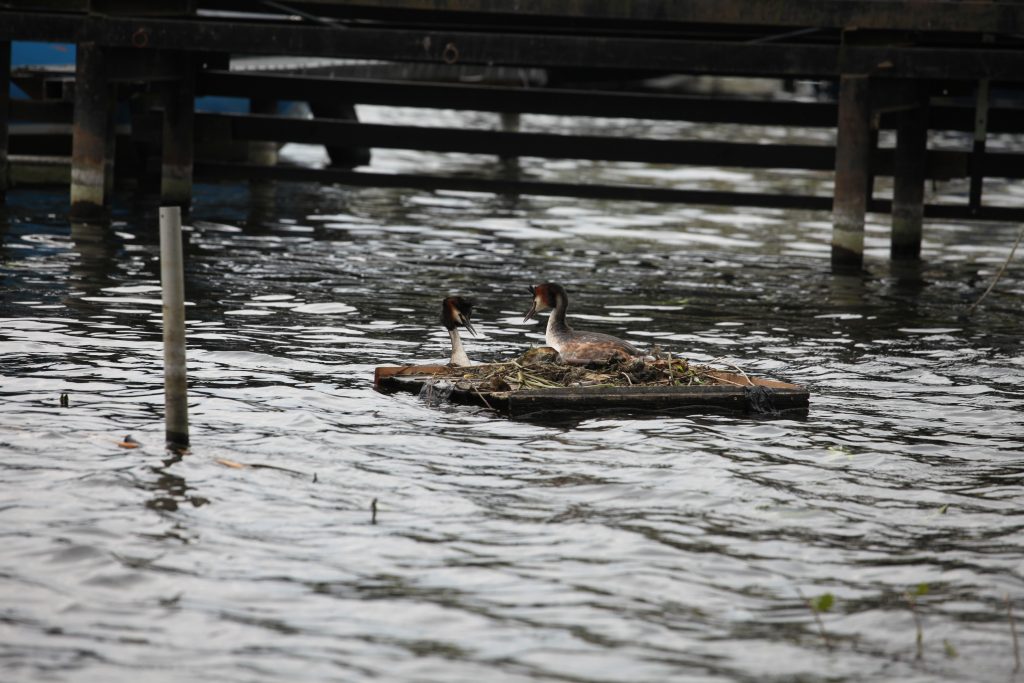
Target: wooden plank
{"points": [[967, 15], [554, 101], [1003, 118], [445, 46], [735, 394], [220, 170], [512, 187], [941, 164], [501, 143]]}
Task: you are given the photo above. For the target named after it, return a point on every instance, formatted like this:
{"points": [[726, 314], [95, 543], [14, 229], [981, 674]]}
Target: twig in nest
{"points": [[628, 379], [477, 390], [999, 274], [723, 361], [735, 384]]}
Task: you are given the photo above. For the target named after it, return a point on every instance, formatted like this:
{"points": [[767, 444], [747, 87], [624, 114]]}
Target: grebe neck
{"points": [[459, 357], [557, 327]]}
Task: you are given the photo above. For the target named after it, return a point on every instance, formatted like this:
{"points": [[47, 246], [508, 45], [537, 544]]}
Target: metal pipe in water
{"points": [[172, 281]]}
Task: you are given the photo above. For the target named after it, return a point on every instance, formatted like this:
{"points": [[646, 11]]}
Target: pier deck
{"points": [[907, 66]]}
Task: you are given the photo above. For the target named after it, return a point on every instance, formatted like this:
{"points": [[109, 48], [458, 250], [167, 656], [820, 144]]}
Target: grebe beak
{"points": [[468, 325], [533, 311]]}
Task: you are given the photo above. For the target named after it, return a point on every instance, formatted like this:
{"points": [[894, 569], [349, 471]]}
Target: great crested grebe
{"points": [[577, 348], [455, 311]]}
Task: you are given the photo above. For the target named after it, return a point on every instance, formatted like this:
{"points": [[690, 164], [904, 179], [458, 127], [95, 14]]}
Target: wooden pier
{"points": [[901, 65]]}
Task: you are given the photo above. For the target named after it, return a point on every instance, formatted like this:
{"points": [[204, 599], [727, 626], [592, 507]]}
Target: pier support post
{"points": [[261, 152], [89, 137], [172, 282], [5, 114], [977, 166], [178, 138], [853, 161], [341, 157], [909, 163]]}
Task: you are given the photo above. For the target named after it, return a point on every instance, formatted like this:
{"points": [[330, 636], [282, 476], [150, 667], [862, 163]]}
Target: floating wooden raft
{"points": [[736, 393]]}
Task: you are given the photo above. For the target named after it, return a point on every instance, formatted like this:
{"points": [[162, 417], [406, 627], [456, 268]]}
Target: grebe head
{"points": [[545, 296], [455, 311]]}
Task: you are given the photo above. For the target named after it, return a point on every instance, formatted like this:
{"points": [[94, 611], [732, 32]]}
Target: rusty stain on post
{"points": [[853, 157], [908, 190], [89, 143]]}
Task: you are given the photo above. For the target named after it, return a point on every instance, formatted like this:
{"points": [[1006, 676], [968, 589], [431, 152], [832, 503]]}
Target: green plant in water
{"points": [[921, 590], [822, 603]]}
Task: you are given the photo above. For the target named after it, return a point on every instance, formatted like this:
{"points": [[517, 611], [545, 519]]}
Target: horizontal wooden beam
{"points": [[941, 164], [607, 148], [444, 46], [554, 101], [940, 15], [226, 170], [575, 102]]}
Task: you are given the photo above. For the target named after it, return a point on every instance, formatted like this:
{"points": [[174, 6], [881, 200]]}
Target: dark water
{"points": [[613, 550]]}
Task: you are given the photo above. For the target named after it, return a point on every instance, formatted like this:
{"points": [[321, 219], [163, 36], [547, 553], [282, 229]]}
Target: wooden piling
{"points": [[178, 138], [341, 156], [5, 116], [172, 281], [909, 164], [977, 165], [853, 158], [260, 152], [89, 136]]}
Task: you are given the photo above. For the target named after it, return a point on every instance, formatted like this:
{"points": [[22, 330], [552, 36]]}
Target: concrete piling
{"points": [[89, 138], [853, 160], [909, 163], [172, 281]]}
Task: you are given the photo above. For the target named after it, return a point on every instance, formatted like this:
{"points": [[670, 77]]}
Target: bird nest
{"points": [[530, 372]]}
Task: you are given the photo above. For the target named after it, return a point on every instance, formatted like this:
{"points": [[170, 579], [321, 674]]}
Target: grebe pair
{"points": [[576, 348]]}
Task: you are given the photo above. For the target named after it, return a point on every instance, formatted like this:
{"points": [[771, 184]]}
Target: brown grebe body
{"points": [[455, 312], [577, 348]]}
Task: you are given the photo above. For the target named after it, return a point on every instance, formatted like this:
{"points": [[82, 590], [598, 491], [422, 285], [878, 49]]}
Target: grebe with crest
{"points": [[576, 348], [455, 312]]}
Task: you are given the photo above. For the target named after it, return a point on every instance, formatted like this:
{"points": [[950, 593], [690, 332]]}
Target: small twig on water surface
{"points": [[373, 511], [999, 274], [1013, 632], [258, 466]]}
